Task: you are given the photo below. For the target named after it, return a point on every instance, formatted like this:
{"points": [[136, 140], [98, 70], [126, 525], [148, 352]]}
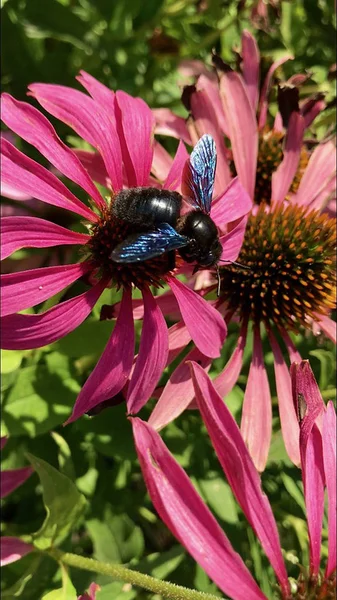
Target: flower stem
{"points": [[118, 572]]}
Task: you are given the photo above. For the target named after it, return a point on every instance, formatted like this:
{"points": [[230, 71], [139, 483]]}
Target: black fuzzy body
{"points": [[144, 208], [204, 247]]}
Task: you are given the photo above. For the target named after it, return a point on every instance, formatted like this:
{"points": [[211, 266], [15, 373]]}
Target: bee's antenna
{"points": [[233, 262], [219, 281]]}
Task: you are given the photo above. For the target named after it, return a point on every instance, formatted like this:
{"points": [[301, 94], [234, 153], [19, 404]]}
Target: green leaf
{"points": [[162, 564], [66, 592], [63, 503], [11, 360], [116, 591], [327, 362], [219, 496], [116, 538], [88, 339], [64, 456], [294, 491]]}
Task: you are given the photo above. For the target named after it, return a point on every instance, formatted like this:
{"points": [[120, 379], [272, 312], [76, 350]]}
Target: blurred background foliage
{"points": [[137, 46]]}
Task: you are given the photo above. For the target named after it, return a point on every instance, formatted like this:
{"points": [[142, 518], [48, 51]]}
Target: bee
{"points": [[156, 214]]}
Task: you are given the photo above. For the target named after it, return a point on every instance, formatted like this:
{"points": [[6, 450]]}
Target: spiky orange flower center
{"points": [[291, 258]]}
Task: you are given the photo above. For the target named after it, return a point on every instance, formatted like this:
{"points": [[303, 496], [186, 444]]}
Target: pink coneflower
{"points": [[120, 128], [189, 519], [289, 244]]}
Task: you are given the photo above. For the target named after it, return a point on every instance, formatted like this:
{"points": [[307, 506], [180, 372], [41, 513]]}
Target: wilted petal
{"points": [[173, 179], [320, 169], [311, 108], [283, 177], [24, 289], [152, 357], [251, 67], [263, 109], [91, 594], [188, 518], [256, 411], [232, 204], [167, 123], [227, 379], [22, 332], [178, 393], [26, 175], [239, 469], [242, 127], [88, 119], [307, 399], [113, 368], [12, 549], [329, 458], [135, 125], [12, 479], [33, 127], [288, 417], [30, 232], [205, 325]]}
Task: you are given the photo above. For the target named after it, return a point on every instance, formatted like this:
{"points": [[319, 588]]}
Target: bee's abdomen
{"points": [[147, 207]]}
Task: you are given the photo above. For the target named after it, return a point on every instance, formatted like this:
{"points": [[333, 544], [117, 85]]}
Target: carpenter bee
{"points": [[156, 214]]}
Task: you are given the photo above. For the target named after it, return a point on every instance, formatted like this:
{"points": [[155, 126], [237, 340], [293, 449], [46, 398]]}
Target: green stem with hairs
{"points": [[120, 573]]}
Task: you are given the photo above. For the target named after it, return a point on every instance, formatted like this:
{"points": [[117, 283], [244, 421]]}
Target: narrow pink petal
{"points": [[113, 368], [3, 441], [239, 469], [321, 167], [206, 121], [251, 67], [30, 232], [294, 355], [10, 480], [98, 91], [178, 339], [161, 163], [33, 127], [204, 323], [232, 241], [94, 164], [256, 419], [329, 458], [288, 417], [8, 191], [307, 399], [173, 179], [328, 326], [263, 108], [27, 288], [166, 302], [242, 126], [227, 379], [12, 549], [135, 125], [22, 332], [152, 357], [27, 176], [310, 109], [283, 177], [167, 123], [188, 518], [88, 119], [178, 393], [211, 86], [232, 204], [91, 594]]}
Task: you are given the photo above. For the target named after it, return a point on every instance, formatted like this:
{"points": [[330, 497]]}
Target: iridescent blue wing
{"points": [[143, 246], [199, 174]]}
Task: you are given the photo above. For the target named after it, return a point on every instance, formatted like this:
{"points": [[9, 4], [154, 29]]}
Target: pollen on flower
{"points": [[109, 231], [292, 276]]}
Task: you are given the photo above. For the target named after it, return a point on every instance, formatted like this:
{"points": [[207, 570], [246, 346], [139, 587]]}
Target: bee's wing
{"points": [[143, 246], [199, 174]]}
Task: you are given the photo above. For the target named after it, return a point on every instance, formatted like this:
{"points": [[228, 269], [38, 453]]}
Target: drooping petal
{"points": [[33, 127], [88, 119], [307, 399], [94, 164], [225, 381], [135, 126], [30, 232], [22, 332], [242, 127], [263, 108], [26, 175], [12, 479], [173, 179], [24, 289], [251, 67], [232, 204], [179, 337], [311, 108], [329, 327], [320, 169], [283, 176], [12, 549], [205, 325], [329, 458], [239, 469], [188, 518], [256, 411], [178, 393], [152, 357], [113, 368], [288, 417], [231, 242], [161, 162], [294, 354], [167, 123]]}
